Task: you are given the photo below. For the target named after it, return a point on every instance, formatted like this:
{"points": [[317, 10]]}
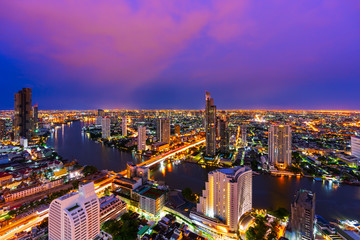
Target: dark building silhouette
{"points": [[23, 122], [210, 125]]}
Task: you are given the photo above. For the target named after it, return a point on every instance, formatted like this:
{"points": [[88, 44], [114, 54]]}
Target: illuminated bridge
{"points": [[161, 158]]}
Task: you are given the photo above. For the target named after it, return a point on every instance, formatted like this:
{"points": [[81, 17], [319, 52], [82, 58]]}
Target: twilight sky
{"points": [[274, 54]]}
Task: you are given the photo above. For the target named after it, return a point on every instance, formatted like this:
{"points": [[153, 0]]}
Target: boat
{"points": [[318, 179]]}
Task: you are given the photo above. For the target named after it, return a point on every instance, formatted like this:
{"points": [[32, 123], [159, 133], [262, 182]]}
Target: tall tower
{"points": [[141, 138], [35, 114], [210, 125], [124, 126], [280, 145], [227, 195], [105, 127], [224, 135], [303, 214], [2, 128], [23, 122], [75, 215], [163, 130]]}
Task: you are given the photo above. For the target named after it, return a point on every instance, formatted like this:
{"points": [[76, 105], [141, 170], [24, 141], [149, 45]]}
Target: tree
{"points": [[89, 170], [188, 194]]}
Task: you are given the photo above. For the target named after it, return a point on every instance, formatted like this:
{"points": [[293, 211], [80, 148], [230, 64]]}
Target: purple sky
{"points": [[275, 54]]}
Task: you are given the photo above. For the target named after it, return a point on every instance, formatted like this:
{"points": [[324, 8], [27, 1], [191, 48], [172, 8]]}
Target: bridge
{"points": [[155, 160]]}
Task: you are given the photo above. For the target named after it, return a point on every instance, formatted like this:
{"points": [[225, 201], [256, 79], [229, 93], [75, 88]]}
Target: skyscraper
{"points": [[2, 128], [210, 125], [35, 114], [163, 130], [280, 145], [177, 130], [141, 138], [105, 127], [224, 135], [227, 195], [124, 126], [23, 122], [303, 214], [355, 146], [76, 215]]}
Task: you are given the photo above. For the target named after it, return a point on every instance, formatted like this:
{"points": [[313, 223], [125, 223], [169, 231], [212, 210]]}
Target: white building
{"points": [[227, 196], [355, 146], [279, 140], [111, 207], [30, 190], [141, 138], [152, 201], [75, 216], [105, 127], [124, 126]]}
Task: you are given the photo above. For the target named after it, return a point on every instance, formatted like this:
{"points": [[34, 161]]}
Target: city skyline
{"points": [[295, 56]]}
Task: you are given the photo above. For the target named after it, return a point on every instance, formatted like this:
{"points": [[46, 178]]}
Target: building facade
{"points": [[23, 122], [355, 146], [224, 135], [303, 215], [2, 128], [227, 196], [279, 140], [210, 125], [76, 215], [105, 127], [124, 126], [141, 138], [152, 201], [163, 130], [111, 207]]}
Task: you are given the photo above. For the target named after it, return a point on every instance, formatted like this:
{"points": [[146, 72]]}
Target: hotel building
{"points": [[75, 216], [279, 141], [227, 196]]}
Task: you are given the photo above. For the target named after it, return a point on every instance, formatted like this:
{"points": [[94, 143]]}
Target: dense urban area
{"points": [[46, 196]]}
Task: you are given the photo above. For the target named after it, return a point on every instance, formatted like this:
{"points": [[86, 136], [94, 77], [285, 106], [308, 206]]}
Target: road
{"points": [[22, 225], [162, 157]]}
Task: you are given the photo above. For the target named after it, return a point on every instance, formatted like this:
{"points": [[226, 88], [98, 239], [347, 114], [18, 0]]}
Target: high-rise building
{"points": [[124, 126], [243, 134], [224, 135], [35, 114], [141, 138], [177, 130], [302, 215], [163, 130], [98, 121], [23, 122], [227, 195], [2, 128], [105, 127], [76, 215], [280, 145], [101, 113], [355, 146], [210, 125]]}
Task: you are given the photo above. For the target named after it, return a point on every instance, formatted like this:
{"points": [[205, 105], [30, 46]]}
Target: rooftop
{"points": [[153, 193]]}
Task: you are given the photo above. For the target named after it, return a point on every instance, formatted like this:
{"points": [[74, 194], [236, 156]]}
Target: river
{"points": [[268, 192]]}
